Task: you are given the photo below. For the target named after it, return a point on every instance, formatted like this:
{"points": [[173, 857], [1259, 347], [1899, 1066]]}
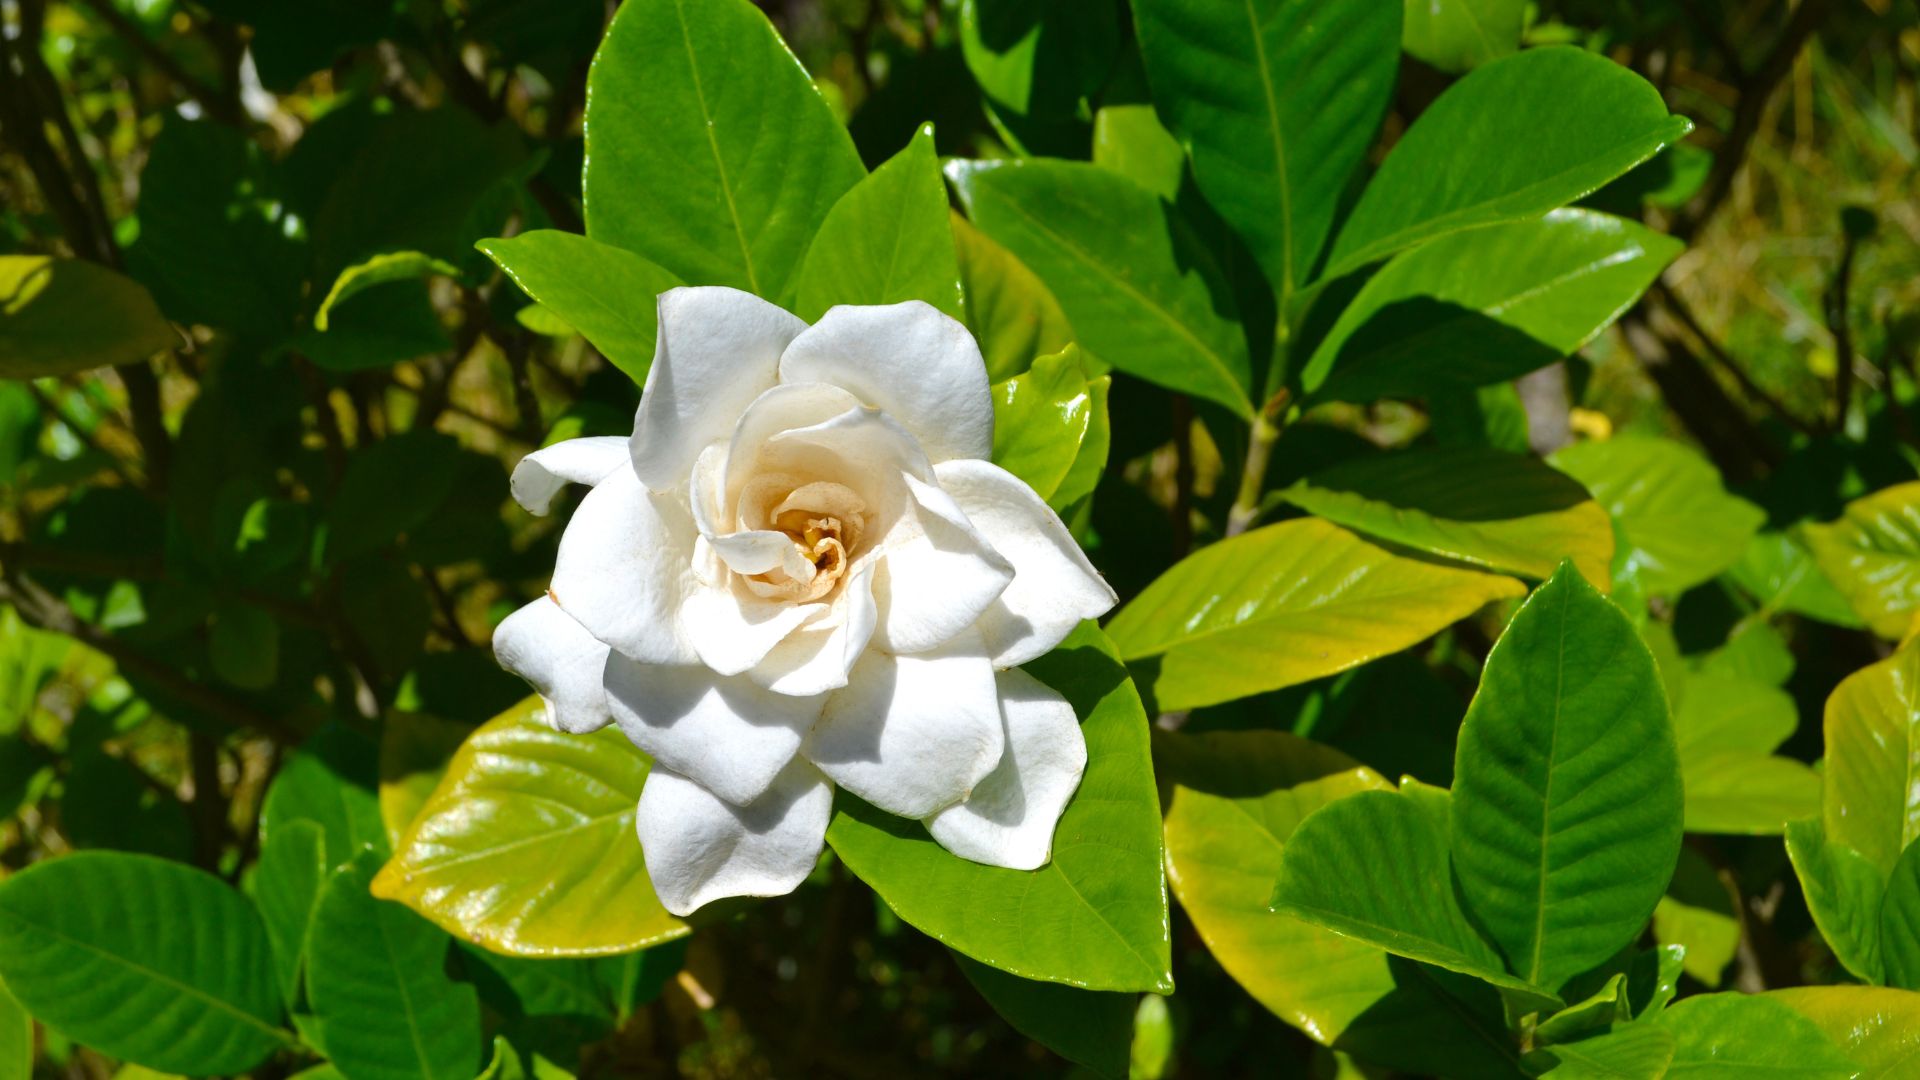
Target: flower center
{"points": [[824, 521]]}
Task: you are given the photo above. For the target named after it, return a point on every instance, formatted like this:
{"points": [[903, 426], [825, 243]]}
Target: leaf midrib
{"points": [[719, 165]]}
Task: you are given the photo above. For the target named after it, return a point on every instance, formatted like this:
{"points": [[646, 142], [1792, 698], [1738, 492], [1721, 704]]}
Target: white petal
{"points": [[937, 575], [543, 645], [699, 848], [726, 734], [626, 566], [921, 367], [817, 658], [732, 632], [718, 349], [1054, 586], [912, 734], [861, 449], [541, 474], [1009, 819], [783, 408], [748, 551]]}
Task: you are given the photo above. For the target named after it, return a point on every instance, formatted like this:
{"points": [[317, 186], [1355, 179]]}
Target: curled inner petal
{"points": [[825, 521]]}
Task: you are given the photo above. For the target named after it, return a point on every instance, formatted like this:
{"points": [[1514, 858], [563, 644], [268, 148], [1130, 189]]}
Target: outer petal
{"points": [[718, 349], [1009, 819], [912, 734], [1054, 586], [732, 632], [700, 849], [540, 475], [728, 735], [626, 566], [543, 645], [921, 367], [937, 576], [815, 659]]}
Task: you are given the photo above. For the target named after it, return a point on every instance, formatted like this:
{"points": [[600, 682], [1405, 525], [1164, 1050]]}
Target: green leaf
{"points": [[1506, 512], [527, 846], [1088, 1027], [1700, 913], [1778, 571], [1877, 1027], [1680, 525], [1095, 916], [1040, 419], [1566, 789], [1872, 554], [1583, 119], [376, 977], [1485, 306], [1871, 801], [1454, 35], [391, 487], [143, 959], [244, 646], [1638, 1052], [709, 151], [886, 240], [1136, 281], [1236, 799], [1010, 313], [1726, 728], [331, 781], [375, 328], [1285, 604], [1374, 866], [16, 1038], [285, 883], [1746, 1035], [109, 802], [378, 270], [1090, 462], [1900, 922], [1130, 140], [606, 293], [1843, 891], [63, 315], [1276, 102], [1039, 60]]}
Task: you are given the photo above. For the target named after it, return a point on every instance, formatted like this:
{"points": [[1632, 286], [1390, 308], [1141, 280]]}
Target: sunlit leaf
{"points": [[886, 240], [1872, 554], [606, 293]]}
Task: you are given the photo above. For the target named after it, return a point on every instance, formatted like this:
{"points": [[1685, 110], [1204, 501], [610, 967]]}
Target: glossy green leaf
{"points": [[886, 240], [1900, 923], [1010, 313], [1778, 571], [1746, 1035], [1638, 1052], [1236, 799], [1095, 916], [1700, 913], [1090, 461], [332, 781], [1583, 119], [1040, 60], [1455, 35], [1130, 140], [1088, 1027], [527, 847], [606, 293], [1871, 801], [709, 151], [1276, 102], [1485, 306], [1680, 525], [1375, 866], [376, 977], [1872, 554], [1506, 512], [1284, 604], [143, 959], [59, 316], [285, 883], [1877, 1027], [378, 270], [1843, 891], [1139, 285], [1566, 789], [1040, 419], [1594, 1013], [16, 1038]]}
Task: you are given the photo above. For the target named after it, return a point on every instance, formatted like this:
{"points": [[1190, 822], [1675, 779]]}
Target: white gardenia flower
{"points": [[801, 570]]}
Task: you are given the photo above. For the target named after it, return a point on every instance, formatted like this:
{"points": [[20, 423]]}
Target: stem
{"points": [[1253, 477]]}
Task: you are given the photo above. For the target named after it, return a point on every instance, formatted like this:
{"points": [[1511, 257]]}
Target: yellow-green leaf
{"points": [[1872, 554]]}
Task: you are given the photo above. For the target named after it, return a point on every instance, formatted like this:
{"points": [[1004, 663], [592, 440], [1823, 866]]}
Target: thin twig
{"points": [[1682, 314]]}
